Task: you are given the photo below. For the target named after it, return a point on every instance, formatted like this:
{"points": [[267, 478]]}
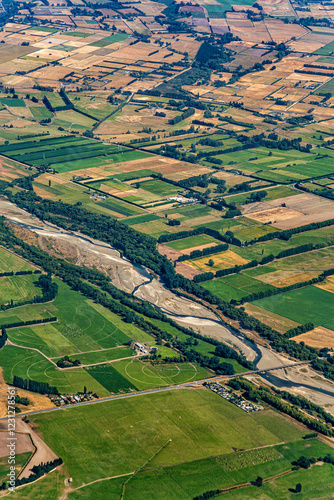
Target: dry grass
{"points": [[37, 401], [274, 215], [319, 337], [281, 278], [222, 260], [328, 285]]}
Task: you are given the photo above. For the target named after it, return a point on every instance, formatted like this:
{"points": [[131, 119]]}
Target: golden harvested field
{"points": [[37, 401], [222, 260], [269, 318], [156, 163], [274, 215], [327, 285], [249, 32], [134, 118], [283, 278], [10, 170], [277, 7], [318, 338]]}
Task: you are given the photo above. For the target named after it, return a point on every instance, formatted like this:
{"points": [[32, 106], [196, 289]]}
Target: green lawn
{"points": [[309, 304]]}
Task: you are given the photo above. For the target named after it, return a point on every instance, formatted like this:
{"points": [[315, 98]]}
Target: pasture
{"points": [[187, 481], [18, 288], [308, 304], [192, 241], [159, 188], [11, 262], [235, 286], [52, 187], [118, 437]]}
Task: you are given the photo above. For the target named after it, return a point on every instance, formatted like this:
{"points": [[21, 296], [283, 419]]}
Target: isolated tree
{"points": [[210, 263], [259, 481], [298, 488]]}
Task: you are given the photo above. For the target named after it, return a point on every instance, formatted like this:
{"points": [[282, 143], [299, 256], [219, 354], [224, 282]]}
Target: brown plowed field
{"points": [[186, 271], [308, 208]]}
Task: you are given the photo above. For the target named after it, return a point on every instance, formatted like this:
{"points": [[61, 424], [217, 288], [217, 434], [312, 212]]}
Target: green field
{"points": [[118, 437], [102, 355], [326, 50], [186, 481], [140, 219], [235, 286], [69, 153], [12, 103], [309, 304], [272, 194], [18, 288], [217, 11], [12, 262], [20, 461], [192, 241], [146, 376], [81, 327], [30, 364], [43, 28], [40, 112], [110, 378], [159, 188], [117, 37], [72, 193]]}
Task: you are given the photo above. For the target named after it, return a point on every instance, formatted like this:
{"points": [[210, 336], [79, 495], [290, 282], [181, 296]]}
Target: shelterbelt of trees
{"points": [[141, 249]]}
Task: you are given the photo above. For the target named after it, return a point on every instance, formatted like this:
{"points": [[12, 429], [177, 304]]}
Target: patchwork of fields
{"points": [[196, 125], [189, 464]]}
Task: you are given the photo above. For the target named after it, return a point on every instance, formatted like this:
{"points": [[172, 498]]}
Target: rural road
{"points": [[97, 254], [222, 378]]}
